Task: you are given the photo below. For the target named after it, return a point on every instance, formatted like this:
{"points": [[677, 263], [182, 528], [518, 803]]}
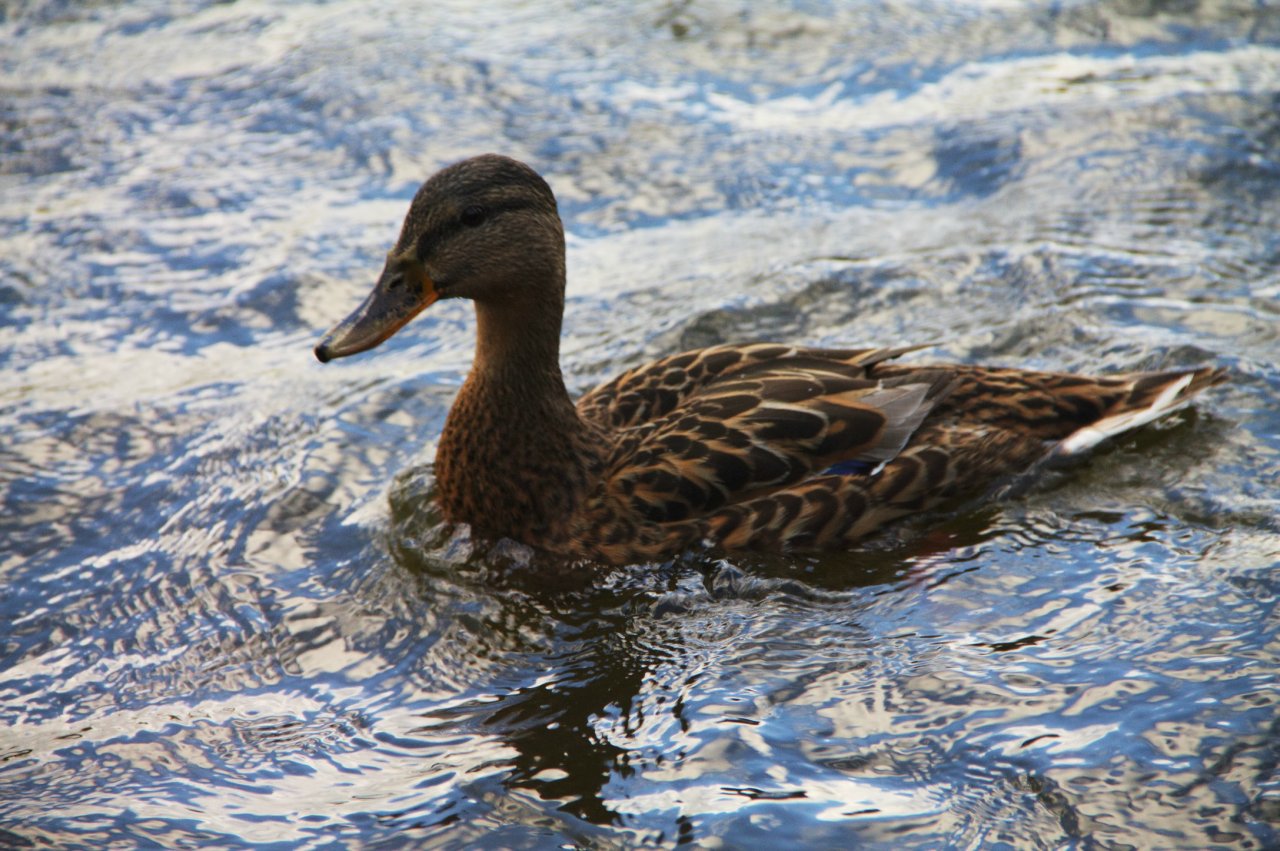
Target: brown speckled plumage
{"points": [[757, 446]]}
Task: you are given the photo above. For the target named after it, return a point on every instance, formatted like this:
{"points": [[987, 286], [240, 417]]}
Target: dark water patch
{"points": [[975, 166], [34, 135]]}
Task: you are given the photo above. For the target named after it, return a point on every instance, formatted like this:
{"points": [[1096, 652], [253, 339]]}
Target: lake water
{"points": [[227, 618]]}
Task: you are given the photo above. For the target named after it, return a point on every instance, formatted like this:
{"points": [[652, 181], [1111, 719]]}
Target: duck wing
{"points": [[993, 424], [647, 392], [746, 421]]}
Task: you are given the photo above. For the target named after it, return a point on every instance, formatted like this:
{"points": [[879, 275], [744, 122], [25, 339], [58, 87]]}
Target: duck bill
{"points": [[400, 294]]}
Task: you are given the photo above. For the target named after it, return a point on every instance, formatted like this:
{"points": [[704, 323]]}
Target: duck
{"points": [[756, 446]]}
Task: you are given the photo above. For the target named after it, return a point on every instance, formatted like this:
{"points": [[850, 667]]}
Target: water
{"points": [[227, 620]]}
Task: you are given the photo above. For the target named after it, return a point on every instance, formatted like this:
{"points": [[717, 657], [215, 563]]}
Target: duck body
{"points": [[757, 446]]}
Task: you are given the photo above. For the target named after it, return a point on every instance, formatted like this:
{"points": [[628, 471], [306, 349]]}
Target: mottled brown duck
{"points": [[757, 446]]}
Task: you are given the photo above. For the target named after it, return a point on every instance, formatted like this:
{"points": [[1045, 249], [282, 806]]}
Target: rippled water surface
{"points": [[226, 618]]}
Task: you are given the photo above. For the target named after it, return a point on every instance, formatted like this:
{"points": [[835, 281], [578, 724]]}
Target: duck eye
{"points": [[473, 215]]}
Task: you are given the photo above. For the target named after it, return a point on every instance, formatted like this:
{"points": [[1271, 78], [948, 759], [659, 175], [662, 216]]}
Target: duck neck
{"points": [[520, 341], [515, 459]]}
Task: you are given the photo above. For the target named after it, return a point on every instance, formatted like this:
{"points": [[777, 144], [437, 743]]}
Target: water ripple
{"points": [[229, 616]]}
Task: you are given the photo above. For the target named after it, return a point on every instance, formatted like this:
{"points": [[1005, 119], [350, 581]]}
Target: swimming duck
{"points": [[757, 446]]}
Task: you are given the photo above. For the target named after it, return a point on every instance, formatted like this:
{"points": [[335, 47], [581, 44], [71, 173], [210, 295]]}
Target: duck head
{"points": [[485, 229]]}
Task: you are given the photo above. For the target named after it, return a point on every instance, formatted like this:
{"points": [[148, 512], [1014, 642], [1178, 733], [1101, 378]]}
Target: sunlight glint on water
{"points": [[228, 618]]}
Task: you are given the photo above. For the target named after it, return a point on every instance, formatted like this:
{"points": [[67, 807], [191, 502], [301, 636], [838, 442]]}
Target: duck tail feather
{"points": [[1152, 396]]}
